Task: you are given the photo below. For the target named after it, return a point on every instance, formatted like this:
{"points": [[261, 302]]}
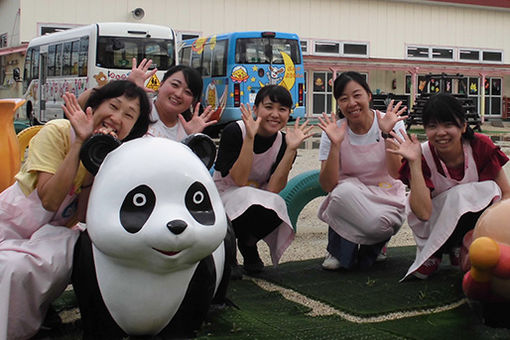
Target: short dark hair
{"points": [[343, 79], [445, 108], [192, 77], [276, 93], [129, 89]]}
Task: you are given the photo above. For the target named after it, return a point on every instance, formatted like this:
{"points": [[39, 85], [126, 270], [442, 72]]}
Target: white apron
{"points": [[450, 200], [36, 256], [238, 199], [367, 206]]}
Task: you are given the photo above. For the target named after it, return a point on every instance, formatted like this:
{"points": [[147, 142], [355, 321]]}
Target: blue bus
{"points": [[234, 66]]}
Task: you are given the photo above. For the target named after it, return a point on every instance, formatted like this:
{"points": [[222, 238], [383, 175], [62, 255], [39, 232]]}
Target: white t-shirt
{"points": [[373, 135], [159, 129]]}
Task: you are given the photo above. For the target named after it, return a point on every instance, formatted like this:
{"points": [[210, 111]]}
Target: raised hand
{"points": [[198, 123], [294, 137], [139, 74], [251, 124], [392, 116], [335, 133], [409, 148], [82, 122]]}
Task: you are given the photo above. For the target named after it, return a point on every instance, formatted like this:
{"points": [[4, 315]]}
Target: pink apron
{"points": [[238, 199], [459, 197], [367, 206], [36, 256]]}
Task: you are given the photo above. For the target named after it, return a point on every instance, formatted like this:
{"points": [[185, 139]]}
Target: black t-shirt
{"points": [[230, 146]]}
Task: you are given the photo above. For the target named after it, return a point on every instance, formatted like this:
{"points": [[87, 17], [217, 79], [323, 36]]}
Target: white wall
{"points": [[10, 23], [388, 25]]}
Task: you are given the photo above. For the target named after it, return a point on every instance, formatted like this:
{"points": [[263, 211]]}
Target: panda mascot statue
{"points": [[158, 247]]}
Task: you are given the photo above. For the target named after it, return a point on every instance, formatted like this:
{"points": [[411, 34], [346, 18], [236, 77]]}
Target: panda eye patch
{"points": [[199, 204], [136, 208]]}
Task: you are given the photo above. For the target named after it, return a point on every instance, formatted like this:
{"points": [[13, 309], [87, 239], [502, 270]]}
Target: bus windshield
{"points": [[266, 50], [117, 52]]}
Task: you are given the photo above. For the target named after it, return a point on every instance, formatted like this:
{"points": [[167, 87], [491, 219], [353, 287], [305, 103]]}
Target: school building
{"points": [[404, 47]]}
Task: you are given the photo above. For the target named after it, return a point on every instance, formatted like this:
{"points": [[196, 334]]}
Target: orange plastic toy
{"points": [[9, 149]]}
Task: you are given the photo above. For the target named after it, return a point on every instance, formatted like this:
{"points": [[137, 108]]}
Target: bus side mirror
{"points": [[16, 74]]}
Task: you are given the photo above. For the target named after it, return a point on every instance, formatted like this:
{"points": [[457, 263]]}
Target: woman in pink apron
{"points": [[252, 167], [50, 194], [453, 177], [365, 205]]}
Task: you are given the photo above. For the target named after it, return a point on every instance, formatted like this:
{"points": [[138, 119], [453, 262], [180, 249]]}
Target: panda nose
{"points": [[176, 226]]}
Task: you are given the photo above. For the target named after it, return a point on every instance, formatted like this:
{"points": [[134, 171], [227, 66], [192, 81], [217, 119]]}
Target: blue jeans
{"points": [[351, 254]]}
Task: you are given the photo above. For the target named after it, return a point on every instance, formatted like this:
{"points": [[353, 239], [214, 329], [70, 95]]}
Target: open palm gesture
{"points": [[295, 136], [82, 122], [139, 74], [198, 123], [408, 147], [336, 134], [392, 116], [251, 124]]}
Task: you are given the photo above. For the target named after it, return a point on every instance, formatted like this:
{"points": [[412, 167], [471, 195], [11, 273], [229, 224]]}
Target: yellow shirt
{"points": [[46, 151]]}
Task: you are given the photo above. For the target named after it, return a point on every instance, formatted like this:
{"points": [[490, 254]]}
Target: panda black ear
{"points": [[203, 146], [94, 151]]}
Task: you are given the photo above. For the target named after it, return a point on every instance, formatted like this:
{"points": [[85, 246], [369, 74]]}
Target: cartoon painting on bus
{"points": [[236, 65]]}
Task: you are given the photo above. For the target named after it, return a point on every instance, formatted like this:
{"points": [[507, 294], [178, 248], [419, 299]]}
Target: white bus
{"points": [[89, 56]]}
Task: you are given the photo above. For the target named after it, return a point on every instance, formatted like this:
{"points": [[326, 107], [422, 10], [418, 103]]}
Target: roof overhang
{"points": [[14, 49]]}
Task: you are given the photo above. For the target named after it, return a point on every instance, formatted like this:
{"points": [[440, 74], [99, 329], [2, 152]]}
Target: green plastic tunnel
{"points": [[299, 191]]}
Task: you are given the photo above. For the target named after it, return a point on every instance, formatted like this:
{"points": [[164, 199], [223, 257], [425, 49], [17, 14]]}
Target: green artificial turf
{"points": [[374, 291], [259, 314]]}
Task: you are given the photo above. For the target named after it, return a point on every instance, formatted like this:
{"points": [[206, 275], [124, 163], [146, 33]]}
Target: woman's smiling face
{"points": [[274, 117], [118, 115], [354, 102], [174, 96]]}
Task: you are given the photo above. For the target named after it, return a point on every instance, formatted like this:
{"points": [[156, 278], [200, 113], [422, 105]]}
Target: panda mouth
{"points": [[167, 253]]}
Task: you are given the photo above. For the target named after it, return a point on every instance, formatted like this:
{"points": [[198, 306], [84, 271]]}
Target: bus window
{"points": [[196, 61], [219, 62], [266, 50], [51, 60], [84, 56], [58, 61], [27, 72], [75, 52], [114, 52], [205, 70], [185, 55], [35, 63], [157, 50], [66, 59]]}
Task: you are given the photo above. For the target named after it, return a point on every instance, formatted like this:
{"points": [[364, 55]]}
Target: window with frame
{"points": [[469, 55], [355, 49], [219, 59], [304, 46], [327, 47], [185, 55], [492, 56], [322, 92]]}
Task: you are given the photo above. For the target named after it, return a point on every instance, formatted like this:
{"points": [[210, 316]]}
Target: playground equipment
{"points": [[9, 149], [488, 280], [299, 191]]}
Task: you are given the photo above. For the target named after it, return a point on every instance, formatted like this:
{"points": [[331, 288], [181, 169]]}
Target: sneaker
{"points": [[331, 262], [428, 268], [382, 255], [455, 256]]}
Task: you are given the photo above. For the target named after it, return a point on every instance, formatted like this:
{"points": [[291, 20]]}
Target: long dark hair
{"points": [[129, 89], [445, 108], [341, 82]]}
